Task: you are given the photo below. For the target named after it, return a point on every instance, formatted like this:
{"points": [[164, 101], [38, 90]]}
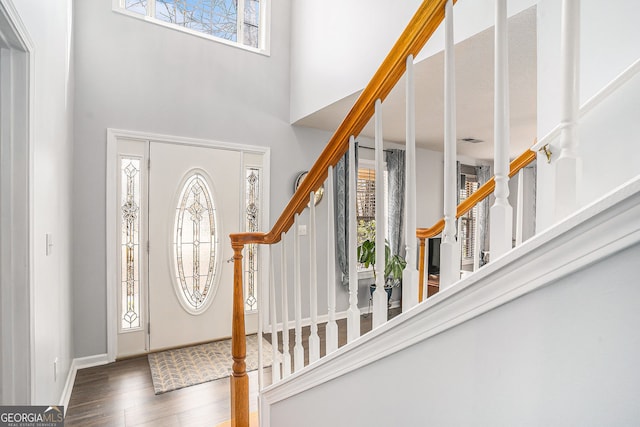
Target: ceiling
{"points": [[474, 95]]}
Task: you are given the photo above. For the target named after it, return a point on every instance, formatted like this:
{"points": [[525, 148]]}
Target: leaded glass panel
{"points": [[195, 242], [215, 17], [252, 211], [130, 242]]}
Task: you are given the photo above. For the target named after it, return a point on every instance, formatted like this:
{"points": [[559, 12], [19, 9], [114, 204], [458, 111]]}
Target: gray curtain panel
{"points": [[396, 170], [484, 174], [341, 206]]}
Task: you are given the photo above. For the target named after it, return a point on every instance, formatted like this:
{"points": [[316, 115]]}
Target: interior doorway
{"points": [[15, 248]]}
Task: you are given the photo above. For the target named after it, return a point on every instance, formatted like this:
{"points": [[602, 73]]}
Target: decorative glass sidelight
{"points": [[195, 242], [130, 242], [252, 203]]}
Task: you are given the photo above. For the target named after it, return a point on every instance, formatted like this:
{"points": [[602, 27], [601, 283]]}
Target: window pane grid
{"points": [[217, 18]]}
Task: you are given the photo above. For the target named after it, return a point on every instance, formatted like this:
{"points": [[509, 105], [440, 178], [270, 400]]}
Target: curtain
{"points": [[396, 171], [484, 174], [341, 206]]}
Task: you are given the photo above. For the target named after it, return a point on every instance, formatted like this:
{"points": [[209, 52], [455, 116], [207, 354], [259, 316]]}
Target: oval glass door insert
{"points": [[195, 244]]}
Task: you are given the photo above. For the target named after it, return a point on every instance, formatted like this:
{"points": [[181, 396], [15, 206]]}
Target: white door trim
{"points": [[112, 155], [16, 224]]}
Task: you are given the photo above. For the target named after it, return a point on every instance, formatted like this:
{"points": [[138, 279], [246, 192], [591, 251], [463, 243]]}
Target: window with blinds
{"points": [[366, 201], [468, 222]]}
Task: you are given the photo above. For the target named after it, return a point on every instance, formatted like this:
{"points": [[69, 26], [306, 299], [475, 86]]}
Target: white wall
{"points": [[608, 136], [49, 26], [565, 354], [337, 46], [135, 75]]}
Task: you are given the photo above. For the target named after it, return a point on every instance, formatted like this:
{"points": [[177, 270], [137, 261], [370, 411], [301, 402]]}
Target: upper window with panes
{"points": [[237, 22]]}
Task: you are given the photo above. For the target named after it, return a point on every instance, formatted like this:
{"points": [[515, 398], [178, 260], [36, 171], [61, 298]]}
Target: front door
{"points": [[194, 203]]}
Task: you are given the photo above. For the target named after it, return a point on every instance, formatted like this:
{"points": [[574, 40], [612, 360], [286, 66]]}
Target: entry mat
{"points": [[184, 367]]}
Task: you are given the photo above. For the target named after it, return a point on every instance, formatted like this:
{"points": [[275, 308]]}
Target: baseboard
{"points": [[79, 363]]}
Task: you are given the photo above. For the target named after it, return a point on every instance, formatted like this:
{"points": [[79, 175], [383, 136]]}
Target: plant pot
{"points": [[372, 288]]}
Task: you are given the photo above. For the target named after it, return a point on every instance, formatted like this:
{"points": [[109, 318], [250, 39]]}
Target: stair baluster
{"points": [[379, 295], [286, 355], [314, 339], [353, 315], [298, 350], [449, 251], [501, 213], [332, 326], [273, 318]]}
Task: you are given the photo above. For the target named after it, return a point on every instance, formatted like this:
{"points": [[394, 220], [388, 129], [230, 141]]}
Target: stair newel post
{"points": [[239, 379], [567, 165], [449, 269], [332, 326], [314, 339], [410, 274], [273, 318], [286, 354], [501, 213], [421, 272], [298, 350], [379, 295], [353, 314]]}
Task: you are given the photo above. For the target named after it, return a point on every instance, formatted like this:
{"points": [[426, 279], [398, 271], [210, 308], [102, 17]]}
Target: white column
{"points": [[501, 213], [314, 339], [298, 350], [332, 326], [379, 295], [410, 273], [449, 269], [567, 165], [273, 318], [286, 355], [520, 207], [353, 314]]}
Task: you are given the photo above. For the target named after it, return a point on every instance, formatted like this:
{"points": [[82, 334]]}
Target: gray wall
{"points": [[138, 76], [563, 355], [49, 27]]}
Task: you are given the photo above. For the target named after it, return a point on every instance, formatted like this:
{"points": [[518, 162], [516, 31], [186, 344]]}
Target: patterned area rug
{"points": [[184, 367]]}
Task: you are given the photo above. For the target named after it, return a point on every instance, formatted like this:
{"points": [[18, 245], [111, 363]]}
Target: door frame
{"points": [[17, 335], [111, 224]]}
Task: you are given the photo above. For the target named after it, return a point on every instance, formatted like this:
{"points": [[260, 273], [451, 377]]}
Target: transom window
{"points": [[239, 22]]}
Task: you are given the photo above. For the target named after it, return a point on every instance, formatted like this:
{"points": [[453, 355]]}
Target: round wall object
{"points": [[301, 176]]}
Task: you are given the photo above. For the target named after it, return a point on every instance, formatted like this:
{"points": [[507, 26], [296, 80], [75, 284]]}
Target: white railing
{"points": [[305, 294], [287, 283]]}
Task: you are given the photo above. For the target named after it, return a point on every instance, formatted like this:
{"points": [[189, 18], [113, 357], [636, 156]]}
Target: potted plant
{"points": [[393, 266]]}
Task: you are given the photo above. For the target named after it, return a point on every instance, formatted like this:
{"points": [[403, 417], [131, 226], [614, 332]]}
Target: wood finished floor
{"points": [[121, 393]]}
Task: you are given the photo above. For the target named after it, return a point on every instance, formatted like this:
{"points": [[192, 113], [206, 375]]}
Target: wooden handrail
{"points": [[465, 206], [423, 24], [485, 189]]}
